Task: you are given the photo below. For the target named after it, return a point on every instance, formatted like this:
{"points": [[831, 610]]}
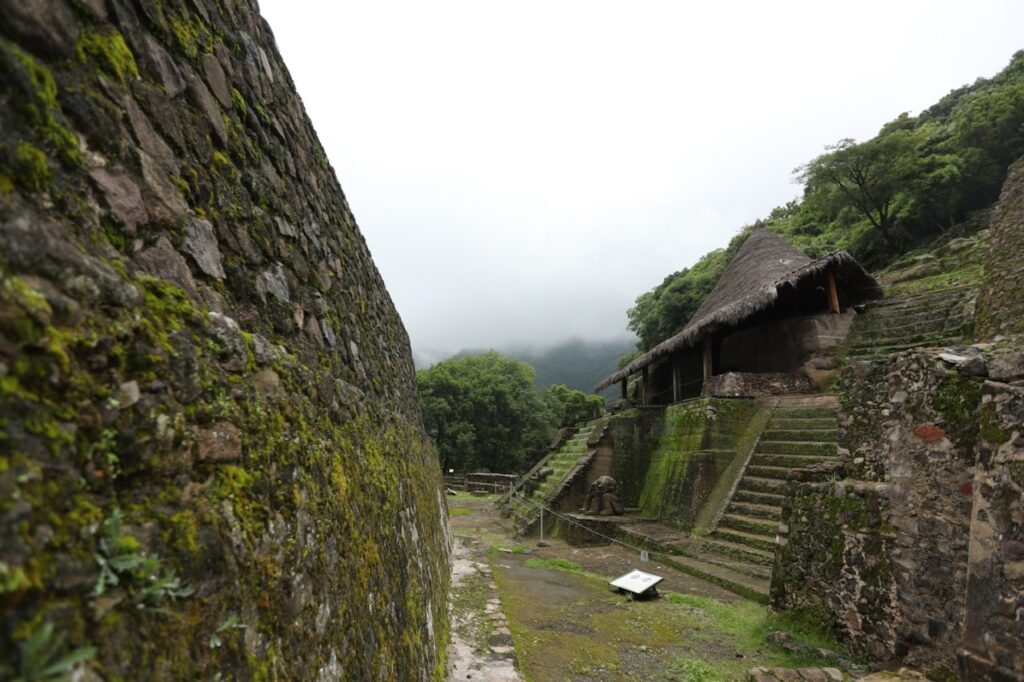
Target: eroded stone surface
{"points": [[220, 443], [201, 243]]}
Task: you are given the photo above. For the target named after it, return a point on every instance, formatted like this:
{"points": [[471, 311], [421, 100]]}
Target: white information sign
{"points": [[636, 582]]}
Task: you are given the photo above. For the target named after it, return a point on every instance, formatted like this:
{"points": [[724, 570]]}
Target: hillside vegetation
{"points": [[919, 178]]}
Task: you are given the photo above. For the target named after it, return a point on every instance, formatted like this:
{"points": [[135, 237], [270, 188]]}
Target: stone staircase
{"points": [[738, 554], [543, 484], [940, 317]]}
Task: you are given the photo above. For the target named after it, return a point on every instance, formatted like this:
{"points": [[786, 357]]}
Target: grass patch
{"points": [[563, 564], [693, 670], [514, 549], [459, 511], [575, 625]]}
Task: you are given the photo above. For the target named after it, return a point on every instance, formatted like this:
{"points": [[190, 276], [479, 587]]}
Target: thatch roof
{"points": [[764, 264]]}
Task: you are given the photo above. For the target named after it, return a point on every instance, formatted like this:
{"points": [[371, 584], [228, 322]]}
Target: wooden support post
{"points": [[833, 292], [675, 378], [625, 388], [708, 367], [643, 387]]}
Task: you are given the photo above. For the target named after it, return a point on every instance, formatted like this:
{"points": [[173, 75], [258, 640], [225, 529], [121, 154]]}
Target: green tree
{"points": [[568, 406], [869, 177], [484, 413]]}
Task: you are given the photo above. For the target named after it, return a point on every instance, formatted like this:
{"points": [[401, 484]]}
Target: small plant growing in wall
{"points": [[122, 563], [40, 658], [104, 449], [230, 623]]}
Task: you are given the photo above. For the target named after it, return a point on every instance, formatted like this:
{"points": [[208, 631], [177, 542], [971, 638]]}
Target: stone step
{"points": [[754, 540], [804, 435], [924, 298], [803, 413], [737, 550], [911, 314], [787, 461], [876, 351], [809, 424], [924, 339], [749, 524], [793, 447], [754, 570], [746, 585], [753, 497], [778, 473], [757, 484], [899, 324], [761, 511]]}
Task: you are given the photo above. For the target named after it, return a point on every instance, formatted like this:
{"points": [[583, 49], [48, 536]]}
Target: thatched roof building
{"points": [[763, 269]]}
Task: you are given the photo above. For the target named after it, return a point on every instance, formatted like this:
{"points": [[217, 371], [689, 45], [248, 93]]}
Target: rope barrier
{"points": [[576, 523]]}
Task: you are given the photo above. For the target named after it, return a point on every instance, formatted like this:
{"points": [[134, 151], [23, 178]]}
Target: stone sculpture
{"points": [[602, 498]]}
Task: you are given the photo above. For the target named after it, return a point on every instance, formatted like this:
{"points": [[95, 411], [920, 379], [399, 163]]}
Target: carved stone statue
{"points": [[602, 498]]}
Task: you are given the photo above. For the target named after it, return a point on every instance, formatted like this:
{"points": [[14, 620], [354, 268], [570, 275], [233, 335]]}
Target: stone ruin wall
{"points": [[211, 456], [886, 564], [1001, 306], [993, 636], [920, 552]]}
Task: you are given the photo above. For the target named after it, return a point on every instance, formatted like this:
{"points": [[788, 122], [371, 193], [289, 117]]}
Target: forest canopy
{"points": [[919, 178], [485, 413]]}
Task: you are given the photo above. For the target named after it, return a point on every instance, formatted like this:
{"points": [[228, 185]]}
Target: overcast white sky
{"points": [[522, 171]]}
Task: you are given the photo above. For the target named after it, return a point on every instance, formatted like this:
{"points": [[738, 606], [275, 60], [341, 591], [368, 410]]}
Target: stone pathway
{"points": [[481, 645]]}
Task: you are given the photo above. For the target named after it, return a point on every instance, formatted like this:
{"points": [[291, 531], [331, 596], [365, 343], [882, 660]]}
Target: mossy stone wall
{"points": [[836, 566], [212, 464], [887, 564], [673, 462], [993, 641], [633, 435]]}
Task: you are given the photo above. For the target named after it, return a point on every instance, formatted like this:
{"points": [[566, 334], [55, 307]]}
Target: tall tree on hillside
{"points": [[867, 177]]}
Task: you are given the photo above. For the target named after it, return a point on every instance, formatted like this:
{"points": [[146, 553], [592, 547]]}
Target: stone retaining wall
{"points": [[212, 462], [1001, 306], [885, 562]]}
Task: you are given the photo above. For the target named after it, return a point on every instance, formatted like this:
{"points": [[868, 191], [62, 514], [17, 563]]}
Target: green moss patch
{"points": [[109, 53], [36, 101]]}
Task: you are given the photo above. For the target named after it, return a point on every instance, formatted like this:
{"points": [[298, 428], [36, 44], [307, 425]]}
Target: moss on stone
{"points": [[957, 398], [192, 35], [1016, 470], [32, 170], [239, 102], [988, 425], [109, 53], [38, 103], [181, 534]]}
